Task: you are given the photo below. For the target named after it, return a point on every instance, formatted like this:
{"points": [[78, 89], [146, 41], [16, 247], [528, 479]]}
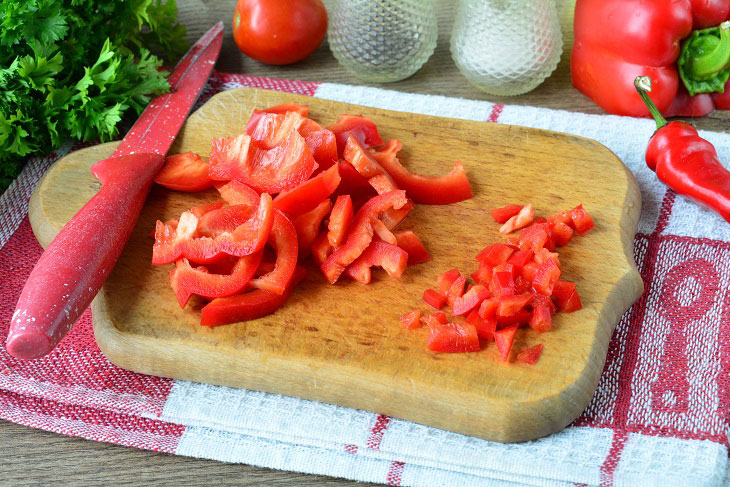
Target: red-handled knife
{"points": [[77, 262]]}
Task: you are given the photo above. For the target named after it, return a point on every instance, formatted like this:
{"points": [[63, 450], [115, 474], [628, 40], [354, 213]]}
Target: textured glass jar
{"points": [[506, 47], [382, 40]]}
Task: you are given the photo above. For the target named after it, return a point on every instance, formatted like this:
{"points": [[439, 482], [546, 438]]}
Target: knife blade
{"points": [[74, 266]]}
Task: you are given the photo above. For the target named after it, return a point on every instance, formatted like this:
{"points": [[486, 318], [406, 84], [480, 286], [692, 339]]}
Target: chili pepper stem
{"points": [[643, 87]]}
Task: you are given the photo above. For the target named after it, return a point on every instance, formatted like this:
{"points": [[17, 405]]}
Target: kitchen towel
{"points": [[659, 416]]}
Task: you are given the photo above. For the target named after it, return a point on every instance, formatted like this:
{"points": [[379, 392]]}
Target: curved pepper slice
{"points": [[237, 193], [340, 220], [271, 129], [307, 226], [321, 249], [361, 234], [391, 258], [283, 239], [172, 243], [187, 280], [362, 128], [442, 190], [309, 194], [184, 172], [247, 306], [409, 241]]}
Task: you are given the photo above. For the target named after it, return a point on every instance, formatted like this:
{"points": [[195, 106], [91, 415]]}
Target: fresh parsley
{"points": [[76, 69]]}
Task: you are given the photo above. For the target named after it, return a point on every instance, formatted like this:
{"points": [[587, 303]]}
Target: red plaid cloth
{"points": [[659, 416]]}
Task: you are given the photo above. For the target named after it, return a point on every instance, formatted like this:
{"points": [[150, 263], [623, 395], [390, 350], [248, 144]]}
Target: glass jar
{"points": [[506, 47], [382, 40]]}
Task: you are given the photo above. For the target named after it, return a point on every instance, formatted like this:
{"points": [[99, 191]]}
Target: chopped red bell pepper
{"points": [[534, 237], [545, 278], [247, 238], [269, 130], [446, 279], [362, 128], [361, 234], [542, 300], [519, 259], [485, 327], [184, 172], [283, 239], [390, 257], [306, 196], [561, 233], [307, 226], [495, 254], [484, 274], [353, 183], [187, 280], [302, 110], [522, 317], [529, 271], [503, 283], [488, 308], [582, 221], [452, 337], [382, 232], [409, 241], [566, 296], [434, 298], [504, 339], [237, 193], [411, 320], [541, 320], [470, 300], [520, 220], [531, 355], [247, 306], [340, 220], [503, 214], [511, 305], [456, 290], [321, 249]]}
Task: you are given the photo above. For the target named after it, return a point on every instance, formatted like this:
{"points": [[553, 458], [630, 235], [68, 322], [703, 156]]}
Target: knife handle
{"points": [[79, 259]]}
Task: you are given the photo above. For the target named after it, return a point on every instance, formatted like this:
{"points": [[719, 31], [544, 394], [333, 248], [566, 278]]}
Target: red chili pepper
{"points": [[684, 161]]}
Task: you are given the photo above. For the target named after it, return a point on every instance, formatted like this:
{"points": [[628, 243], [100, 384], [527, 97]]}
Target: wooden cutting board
{"points": [[343, 344]]}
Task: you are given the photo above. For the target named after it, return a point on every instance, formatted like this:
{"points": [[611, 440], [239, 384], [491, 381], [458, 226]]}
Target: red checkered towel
{"points": [[659, 416]]}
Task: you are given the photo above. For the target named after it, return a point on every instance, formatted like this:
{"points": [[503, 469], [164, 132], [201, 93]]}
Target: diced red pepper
{"points": [[545, 278], [484, 274], [488, 308], [247, 306], [307, 226], [495, 254], [522, 317], [501, 215], [283, 239], [504, 339], [434, 299], [520, 220], [411, 320], [562, 234], [452, 337], [582, 221], [511, 305], [470, 300], [534, 237], [530, 270], [340, 220], [566, 297], [184, 172], [361, 234], [361, 128], [541, 321], [544, 254], [438, 316], [485, 327], [573, 303], [390, 257], [522, 285], [321, 249], [519, 259], [187, 280], [531, 355], [409, 241], [502, 283], [246, 238], [382, 232], [542, 300], [309, 194], [456, 290], [446, 279]]}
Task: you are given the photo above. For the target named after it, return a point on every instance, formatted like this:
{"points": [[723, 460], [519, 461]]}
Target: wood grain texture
{"points": [[342, 344]]}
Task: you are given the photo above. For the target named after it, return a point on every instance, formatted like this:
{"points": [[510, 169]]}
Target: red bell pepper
{"points": [[237, 193], [495, 254], [362, 128], [409, 241], [452, 337], [306, 196], [321, 249], [269, 130], [247, 306], [411, 320], [361, 234], [247, 238], [541, 319], [307, 226], [485, 327], [523, 218], [683, 46], [510, 305], [184, 172], [531, 355], [503, 214], [187, 280], [391, 258], [434, 299], [470, 300], [504, 339], [340, 220], [283, 239]]}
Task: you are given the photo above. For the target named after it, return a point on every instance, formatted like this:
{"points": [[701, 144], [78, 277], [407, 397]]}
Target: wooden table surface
{"points": [[37, 457]]}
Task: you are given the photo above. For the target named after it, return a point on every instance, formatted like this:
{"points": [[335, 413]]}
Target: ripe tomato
{"points": [[279, 31]]}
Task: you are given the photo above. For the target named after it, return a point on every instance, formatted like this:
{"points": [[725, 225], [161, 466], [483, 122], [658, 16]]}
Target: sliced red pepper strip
{"points": [[237, 193], [271, 129], [321, 249], [504, 339], [309, 194], [361, 234], [520, 220], [443, 190], [307, 226], [531, 355], [382, 232], [247, 306], [283, 239], [353, 183], [184, 172], [409, 241], [452, 337], [411, 320], [391, 258], [362, 128], [434, 299], [187, 280], [247, 238], [340, 220], [503, 214]]}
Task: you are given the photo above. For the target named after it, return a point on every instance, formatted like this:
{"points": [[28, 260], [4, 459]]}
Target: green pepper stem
{"points": [[643, 87], [716, 59]]}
